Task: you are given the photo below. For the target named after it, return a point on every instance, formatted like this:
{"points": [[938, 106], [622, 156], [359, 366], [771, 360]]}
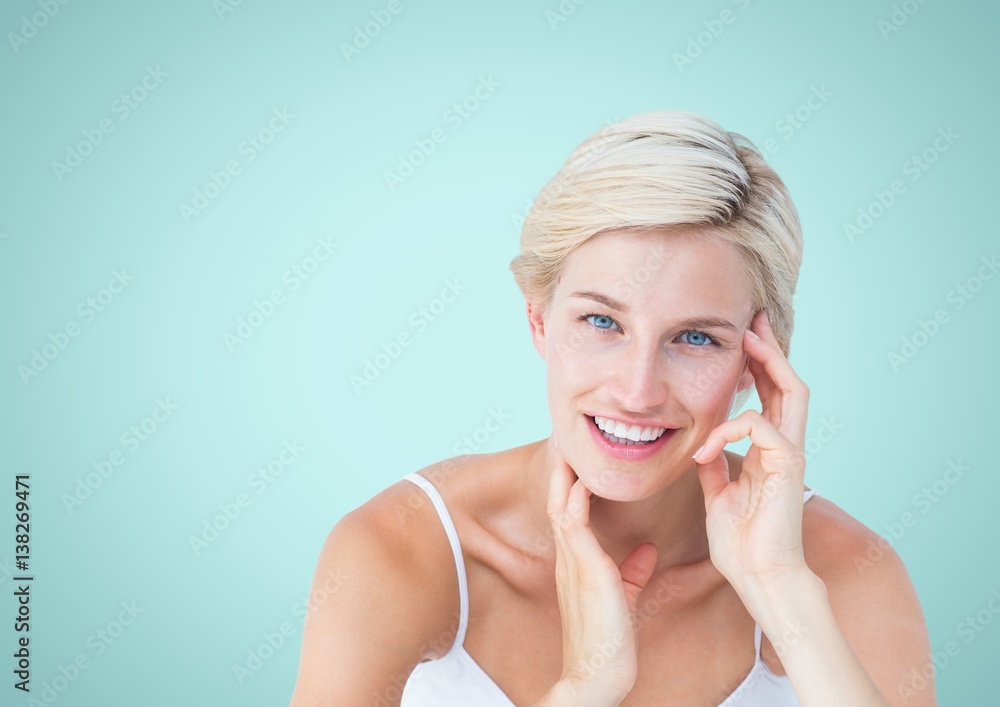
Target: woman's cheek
{"points": [[579, 357], [704, 381]]}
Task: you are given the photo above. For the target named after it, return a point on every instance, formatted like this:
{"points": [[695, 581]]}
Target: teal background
{"points": [[162, 337]]}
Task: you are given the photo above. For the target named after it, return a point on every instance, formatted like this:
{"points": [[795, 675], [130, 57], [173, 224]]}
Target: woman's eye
{"points": [[698, 338], [601, 321]]}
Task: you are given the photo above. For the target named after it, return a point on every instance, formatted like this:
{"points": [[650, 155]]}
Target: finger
{"points": [[714, 476], [578, 504], [775, 397], [762, 434], [636, 569], [561, 480], [788, 396], [569, 511], [767, 392], [766, 389], [762, 381]]}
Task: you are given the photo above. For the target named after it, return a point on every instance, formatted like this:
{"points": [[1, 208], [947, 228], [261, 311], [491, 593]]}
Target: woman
{"points": [[628, 558]]}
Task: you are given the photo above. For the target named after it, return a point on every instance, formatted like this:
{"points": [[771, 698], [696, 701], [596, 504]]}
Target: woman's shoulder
{"points": [[835, 543], [840, 549], [396, 545], [398, 541], [474, 487]]}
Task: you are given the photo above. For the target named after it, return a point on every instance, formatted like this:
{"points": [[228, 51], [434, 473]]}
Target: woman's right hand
{"points": [[597, 599]]}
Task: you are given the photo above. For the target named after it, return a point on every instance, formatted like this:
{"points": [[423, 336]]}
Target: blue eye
{"points": [[600, 321], [604, 323], [700, 338]]}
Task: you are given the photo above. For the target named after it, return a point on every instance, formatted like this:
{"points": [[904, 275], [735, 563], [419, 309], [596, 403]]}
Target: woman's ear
{"points": [[536, 322]]}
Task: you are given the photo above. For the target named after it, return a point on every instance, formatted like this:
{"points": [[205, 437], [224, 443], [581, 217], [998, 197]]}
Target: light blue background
{"points": [[323, 176]]}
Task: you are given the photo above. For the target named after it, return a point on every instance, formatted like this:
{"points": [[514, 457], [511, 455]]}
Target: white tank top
{"points": [[456, 680]]}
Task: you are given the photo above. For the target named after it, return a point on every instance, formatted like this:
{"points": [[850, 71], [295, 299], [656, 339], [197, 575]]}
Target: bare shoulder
{"points": [[843, 550], [403, 524], [383, 598], [873, 599]]}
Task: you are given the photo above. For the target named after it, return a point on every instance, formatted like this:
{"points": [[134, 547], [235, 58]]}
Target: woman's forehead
{"points": [[630, 266]]}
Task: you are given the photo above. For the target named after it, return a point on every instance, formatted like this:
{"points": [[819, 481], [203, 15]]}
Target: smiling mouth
{"points": [[624, 441]]}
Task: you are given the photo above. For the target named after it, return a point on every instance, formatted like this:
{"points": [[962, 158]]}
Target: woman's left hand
{"points": [[754, 524]]}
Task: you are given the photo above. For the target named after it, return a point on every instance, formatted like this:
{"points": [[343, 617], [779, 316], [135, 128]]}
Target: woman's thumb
{"points": [[636, 569]]}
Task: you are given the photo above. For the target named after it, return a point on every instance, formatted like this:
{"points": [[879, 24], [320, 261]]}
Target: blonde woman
{"points": [[628, 559]]}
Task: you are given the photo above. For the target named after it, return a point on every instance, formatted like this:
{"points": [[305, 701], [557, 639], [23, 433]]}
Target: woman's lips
{"points": [[629, 452]]}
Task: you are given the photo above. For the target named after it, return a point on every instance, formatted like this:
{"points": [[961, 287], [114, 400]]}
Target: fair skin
{"points": [[663, 563]]}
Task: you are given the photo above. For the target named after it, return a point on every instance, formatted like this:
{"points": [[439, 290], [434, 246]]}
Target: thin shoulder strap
{"points": [[456, 550], [806, 495]]}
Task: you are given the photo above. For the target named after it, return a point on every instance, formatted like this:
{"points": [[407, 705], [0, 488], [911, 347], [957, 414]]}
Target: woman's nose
{"points": [[640, 377]]}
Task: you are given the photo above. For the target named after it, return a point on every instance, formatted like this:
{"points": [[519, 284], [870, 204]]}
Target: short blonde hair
{"points": [[668, 168]]}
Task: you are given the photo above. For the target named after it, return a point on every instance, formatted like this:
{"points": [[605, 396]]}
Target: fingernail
{"points": [[751, 333], [556, 442], [695, 455]]}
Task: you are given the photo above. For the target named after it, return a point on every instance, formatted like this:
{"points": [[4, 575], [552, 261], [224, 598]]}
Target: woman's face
{"points": [[644, 330]]}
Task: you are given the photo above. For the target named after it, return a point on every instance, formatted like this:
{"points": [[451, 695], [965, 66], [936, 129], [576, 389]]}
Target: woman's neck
{"points": [[673, 518]]}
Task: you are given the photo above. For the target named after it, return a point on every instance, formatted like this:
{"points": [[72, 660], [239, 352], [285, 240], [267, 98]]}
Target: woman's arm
{"points": [[755, 532], [863, 632], [385, 613]]}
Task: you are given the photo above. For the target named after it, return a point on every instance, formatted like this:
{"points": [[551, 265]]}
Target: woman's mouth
{"points": [[632, 443], [619, 433]]}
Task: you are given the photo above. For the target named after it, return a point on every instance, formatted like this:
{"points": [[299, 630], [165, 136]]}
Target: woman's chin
{"points": [[614, 485]]}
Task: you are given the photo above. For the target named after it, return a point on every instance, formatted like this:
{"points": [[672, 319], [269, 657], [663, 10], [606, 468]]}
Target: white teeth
{"points": [[634, 433]]}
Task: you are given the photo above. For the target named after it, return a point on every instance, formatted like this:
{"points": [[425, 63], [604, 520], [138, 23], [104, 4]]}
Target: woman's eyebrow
{"points": [[603, 299], [691, 322]]}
